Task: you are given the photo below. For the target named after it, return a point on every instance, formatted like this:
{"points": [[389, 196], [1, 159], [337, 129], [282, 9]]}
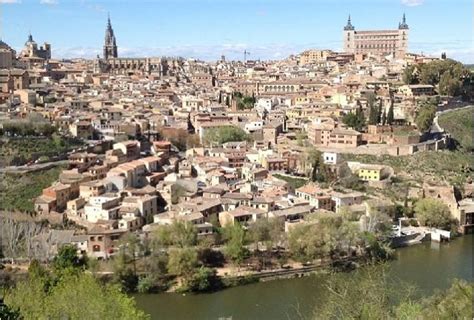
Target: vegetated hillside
{"points": [[437, 166], [460, 124], [18, 191], [293, 182], [18, 151]]}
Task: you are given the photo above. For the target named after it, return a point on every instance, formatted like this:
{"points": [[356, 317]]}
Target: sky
{"points": [[206, 29]]}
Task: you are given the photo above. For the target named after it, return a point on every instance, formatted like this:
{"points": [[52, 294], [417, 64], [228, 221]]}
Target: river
{"points": [[429, 266]]}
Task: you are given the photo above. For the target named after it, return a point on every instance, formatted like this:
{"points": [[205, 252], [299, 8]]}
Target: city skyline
{"points": [[208, 29]]}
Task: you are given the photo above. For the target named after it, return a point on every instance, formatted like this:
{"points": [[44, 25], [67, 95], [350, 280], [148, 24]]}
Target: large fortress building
{"points": [[394, 42]]}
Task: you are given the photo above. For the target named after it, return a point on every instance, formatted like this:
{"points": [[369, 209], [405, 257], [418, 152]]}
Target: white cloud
{"points": [[412, 3], [10, 1], [49, 2], [92, 6], [458, 49]]}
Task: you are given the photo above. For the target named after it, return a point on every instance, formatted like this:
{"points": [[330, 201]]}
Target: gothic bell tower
{"points": [[110, 44], [402, 46], [349, 37]]}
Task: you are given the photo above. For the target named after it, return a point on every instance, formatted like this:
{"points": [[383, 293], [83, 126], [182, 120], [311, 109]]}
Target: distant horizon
{"points": [[207, 29]]}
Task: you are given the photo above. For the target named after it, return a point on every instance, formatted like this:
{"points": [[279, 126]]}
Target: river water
{"points": [[429, 266]]}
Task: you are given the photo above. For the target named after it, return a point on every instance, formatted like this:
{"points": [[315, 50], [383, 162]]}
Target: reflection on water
{"points": [[429, 266]]}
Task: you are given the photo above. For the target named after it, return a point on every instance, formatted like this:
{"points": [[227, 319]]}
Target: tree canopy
{"points": [[68, 293], [74, 296], [234, 248], [355, 120], [449, 75], [220, 135], [433, 213], [388, 298], [425, 116]]}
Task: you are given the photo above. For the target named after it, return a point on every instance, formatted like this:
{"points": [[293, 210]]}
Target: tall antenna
{"points": [[246, 53]]}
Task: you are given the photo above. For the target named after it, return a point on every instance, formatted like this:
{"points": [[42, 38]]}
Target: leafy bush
{"points": [[222, 135]]}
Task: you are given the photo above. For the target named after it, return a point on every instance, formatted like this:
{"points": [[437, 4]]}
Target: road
{"points": [[33, 167]]}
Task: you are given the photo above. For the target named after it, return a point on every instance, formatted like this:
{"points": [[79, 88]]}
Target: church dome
{"points": [[30, 40]]}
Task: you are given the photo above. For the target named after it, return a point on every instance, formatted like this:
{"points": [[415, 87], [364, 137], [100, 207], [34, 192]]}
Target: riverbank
{"points": [[429, 266]]}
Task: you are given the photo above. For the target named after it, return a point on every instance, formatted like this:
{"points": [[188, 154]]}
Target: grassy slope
{"points": [[452, 167], [17, 192], [25, 148], [294, 182], [460, 124]]}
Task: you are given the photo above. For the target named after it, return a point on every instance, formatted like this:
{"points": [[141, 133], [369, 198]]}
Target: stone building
{"points": [[13, 79], [31, 50], [111, 63], [314, 56], [7, 56], [393, 42]]}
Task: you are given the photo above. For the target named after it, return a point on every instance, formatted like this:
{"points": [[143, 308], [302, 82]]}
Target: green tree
{"points": [[177, 191], [67, 258], [204, 279], [433, 213], [425, 116], [379, 112], [448, 85], [319, 171], [220, 135], [74, 296], [6, 313], [268, 232], [355, 121], [432, 72], [410, 75], [178, 234], [305, 243], [388, 298], [183, 262], [343, 295], [124, 271], [454, 303], [373, 110], [390, 114], [360, 116], [234, 248]]}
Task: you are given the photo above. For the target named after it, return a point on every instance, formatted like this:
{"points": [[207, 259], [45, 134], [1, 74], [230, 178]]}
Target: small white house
{"points": [[331, 158]]}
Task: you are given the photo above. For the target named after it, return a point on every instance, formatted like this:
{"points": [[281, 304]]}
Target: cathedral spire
{"points": [[403, 24], [349, 25], [110, 45]]}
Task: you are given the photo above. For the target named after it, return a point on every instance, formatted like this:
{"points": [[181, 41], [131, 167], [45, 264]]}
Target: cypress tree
{"points": [[379, 112], [373, 115], [390, 115]]}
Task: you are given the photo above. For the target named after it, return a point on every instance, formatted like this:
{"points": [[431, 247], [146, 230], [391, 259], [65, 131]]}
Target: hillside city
{"points": [[181, 175]]}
